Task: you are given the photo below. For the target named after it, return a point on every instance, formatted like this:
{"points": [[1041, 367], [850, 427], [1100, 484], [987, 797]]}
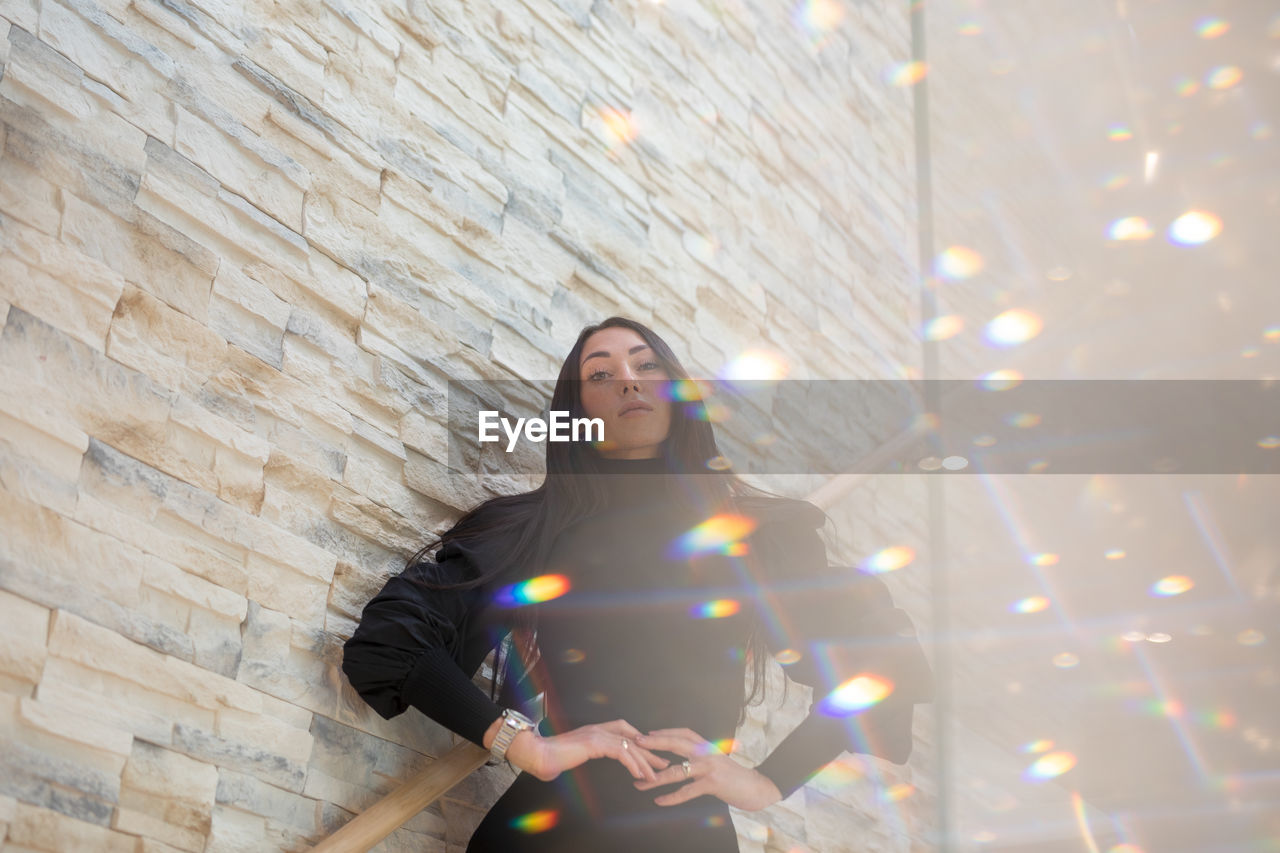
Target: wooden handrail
{"points": [[419, 791]]}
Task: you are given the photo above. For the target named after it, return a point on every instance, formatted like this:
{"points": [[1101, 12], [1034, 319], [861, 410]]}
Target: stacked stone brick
{"points": [[245, 246]]}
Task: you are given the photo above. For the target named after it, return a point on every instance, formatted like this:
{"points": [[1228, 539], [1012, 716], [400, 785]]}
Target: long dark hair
{"points": [[535, 518]]}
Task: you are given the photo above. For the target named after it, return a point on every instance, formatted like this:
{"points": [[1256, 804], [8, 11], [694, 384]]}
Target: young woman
{"points": [[637, 585]]}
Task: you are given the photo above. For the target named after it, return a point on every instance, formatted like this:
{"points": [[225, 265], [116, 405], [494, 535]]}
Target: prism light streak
{"points": [[1082, 822], [1200, 515], [1002, 504], [1180, 728]]}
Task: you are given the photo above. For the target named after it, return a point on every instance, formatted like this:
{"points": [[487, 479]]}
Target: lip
{"points": [[633, 409]]}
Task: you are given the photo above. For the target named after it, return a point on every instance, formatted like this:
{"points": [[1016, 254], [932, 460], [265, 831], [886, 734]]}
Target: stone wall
{"points": [[244, 248]]}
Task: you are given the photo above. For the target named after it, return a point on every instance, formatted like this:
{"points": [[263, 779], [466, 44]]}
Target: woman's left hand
{"points": [[710, 772]]}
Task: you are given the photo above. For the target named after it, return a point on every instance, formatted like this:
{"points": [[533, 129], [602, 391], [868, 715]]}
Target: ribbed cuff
{"points": [[439, 688]]}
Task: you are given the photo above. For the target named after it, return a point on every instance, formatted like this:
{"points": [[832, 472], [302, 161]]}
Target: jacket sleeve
{"points": [[421, 647], [836, 630]]}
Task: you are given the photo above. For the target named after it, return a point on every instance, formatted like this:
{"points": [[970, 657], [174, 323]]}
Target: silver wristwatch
{"points": [[513, 722]]}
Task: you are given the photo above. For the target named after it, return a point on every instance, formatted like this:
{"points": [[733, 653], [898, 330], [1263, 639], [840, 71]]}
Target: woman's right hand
{"points": [[548, 757]]}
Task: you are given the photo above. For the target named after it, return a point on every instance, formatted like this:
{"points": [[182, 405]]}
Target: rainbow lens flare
{"points": [[533, 591], [717, 608], [1036, 747], [720, 534], [1224, 77], [1001, 380], [535, 822], [1044, 559], [1013, 327], [818, 17], [1172, 585], [786, 657], [725, 744], [957, 262], [755, 365], [684, 390], [1130, 228], [1050, 766], [897, 793], [941, 328], [906, 73], [1211, 28], [1194, 228], [1114, 554], [1119, 133], [616, 127], [889, 559], [1030, 604], [856, 695]]}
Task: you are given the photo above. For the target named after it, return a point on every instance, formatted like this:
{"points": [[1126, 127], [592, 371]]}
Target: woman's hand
{"points": [[548, 757], [710, 771]]}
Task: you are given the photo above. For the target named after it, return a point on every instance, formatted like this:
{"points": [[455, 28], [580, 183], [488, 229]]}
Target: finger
{"points": [[626, 752], [687, 733], [670, 776], [695, 740], [622, 727], [670, 743], [655, 761], [685, 794]]}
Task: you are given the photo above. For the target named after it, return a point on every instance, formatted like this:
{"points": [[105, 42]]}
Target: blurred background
{"points": [[1106, 179]]}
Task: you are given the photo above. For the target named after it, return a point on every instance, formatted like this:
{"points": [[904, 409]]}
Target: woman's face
{"points": [[623, 384]]}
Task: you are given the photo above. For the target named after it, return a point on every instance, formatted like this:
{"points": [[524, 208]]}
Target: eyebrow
{"points": [[632, 351]]}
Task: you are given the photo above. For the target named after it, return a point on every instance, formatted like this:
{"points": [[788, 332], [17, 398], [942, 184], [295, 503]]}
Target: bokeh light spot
{"points": [[889, 559], [534, 590], [1066, 660], [1119, 133], [1130, 228], [856, 695], [957, 262], [1211, 28], [717, 608], [1001, 380], [1271, 442], [786, 657], [1194, 228], [898, 793], [1036, 747], [1013, 327], [1172, 585], [1114, 554], [535, 822], [720, 534], [1030, 604], [944, 327], [1251, 637], [1224, 77], [755, 365], [906, 73], [1050, 766], [1045, 558]]}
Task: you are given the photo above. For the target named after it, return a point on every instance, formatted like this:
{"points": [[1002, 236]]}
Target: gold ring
{"points": [[688, 768]]}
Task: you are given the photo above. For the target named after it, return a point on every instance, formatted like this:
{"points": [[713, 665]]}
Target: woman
{"points": [[642, 583]]}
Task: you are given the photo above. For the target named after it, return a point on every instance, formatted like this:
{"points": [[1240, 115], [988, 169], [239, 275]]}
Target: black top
{"points": [[651, 625]]}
